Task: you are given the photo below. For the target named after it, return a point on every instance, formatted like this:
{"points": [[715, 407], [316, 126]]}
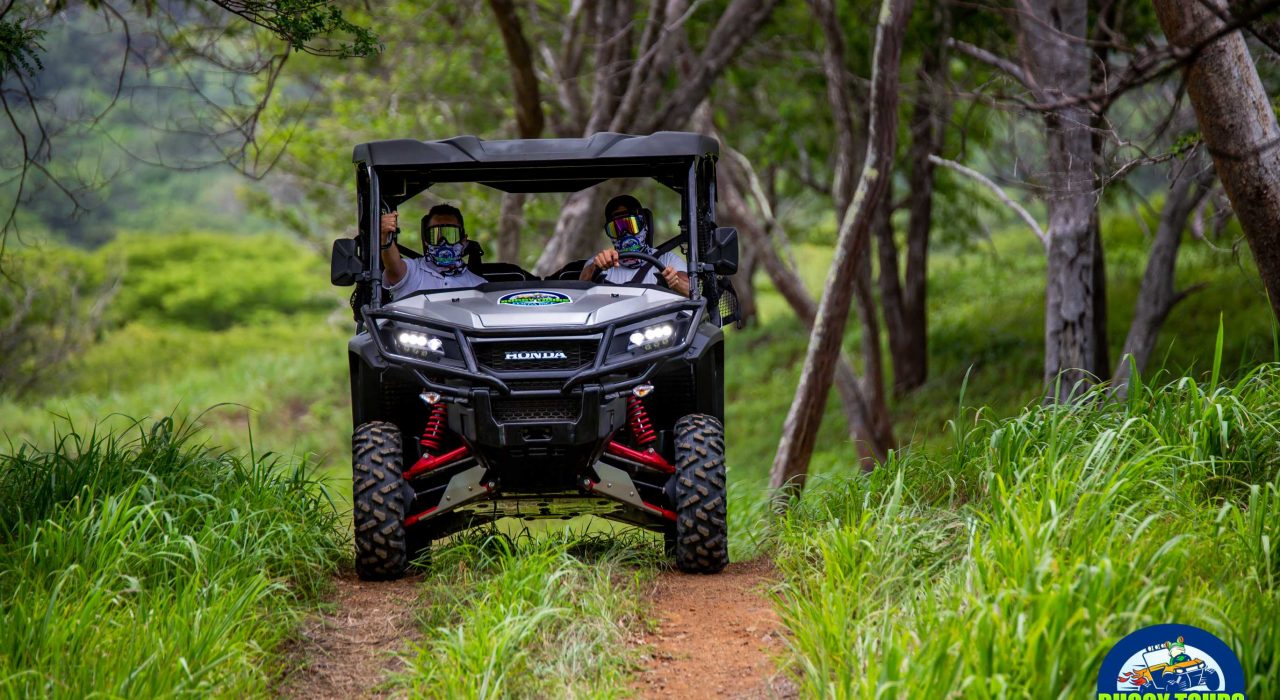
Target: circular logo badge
{"points": [[1173, 661], [534, 298]]}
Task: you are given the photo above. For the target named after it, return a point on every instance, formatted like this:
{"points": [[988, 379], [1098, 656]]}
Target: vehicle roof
{"points": [[407, 166], [465, 150]]}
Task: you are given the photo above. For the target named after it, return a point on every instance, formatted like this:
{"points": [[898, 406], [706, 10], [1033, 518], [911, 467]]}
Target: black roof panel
{"points": [[472, 151]]}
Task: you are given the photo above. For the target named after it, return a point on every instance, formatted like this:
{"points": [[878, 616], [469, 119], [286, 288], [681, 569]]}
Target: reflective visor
{"points": [[623, 226], [441, 234]]}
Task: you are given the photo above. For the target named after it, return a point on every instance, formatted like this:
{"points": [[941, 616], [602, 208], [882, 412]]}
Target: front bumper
{"points": [[581, 417], [460, 378]]}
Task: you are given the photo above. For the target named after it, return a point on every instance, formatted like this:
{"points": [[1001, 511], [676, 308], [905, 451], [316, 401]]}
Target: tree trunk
{"points": [[529, 118], [909, 328], [510, 223], [573, 238], [1157, 296], [1237, 123], [1101, 365], [849, 149], [744, 285], [791, 463], [1052, 38], [619, 102], [890, 283], [872, 355], [524, 81], [789, 285], [1108, 17]]}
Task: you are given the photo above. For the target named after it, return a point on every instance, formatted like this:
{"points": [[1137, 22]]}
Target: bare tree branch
{"points": [[998, 192], [1000, 63]]}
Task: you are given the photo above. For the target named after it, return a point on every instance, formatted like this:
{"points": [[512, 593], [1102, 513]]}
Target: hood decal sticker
{"points": [[537, 297]]}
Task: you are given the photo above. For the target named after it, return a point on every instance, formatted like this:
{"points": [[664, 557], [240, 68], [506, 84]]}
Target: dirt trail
{"points": [[347, 653], [694, 657]]}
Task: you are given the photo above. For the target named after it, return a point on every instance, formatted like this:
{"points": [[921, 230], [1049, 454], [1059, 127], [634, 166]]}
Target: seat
{"points": [[504, 272], [569, 271]]}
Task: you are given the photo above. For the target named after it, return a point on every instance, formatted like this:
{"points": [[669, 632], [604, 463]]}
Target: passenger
{"points": [[629, 225], [441, 266]]}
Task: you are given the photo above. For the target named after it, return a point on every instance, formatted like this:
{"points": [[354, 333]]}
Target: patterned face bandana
{"points": [[447, 257], [628, 233]]}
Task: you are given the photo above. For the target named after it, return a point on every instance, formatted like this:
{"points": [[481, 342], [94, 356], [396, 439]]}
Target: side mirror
{"points": [[723, 252], [345, 266]]}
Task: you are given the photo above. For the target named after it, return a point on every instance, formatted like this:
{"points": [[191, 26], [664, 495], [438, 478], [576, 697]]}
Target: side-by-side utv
{"points": [[539, 397]]}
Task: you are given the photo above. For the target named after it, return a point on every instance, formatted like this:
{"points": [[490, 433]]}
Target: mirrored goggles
{"points": [[623, 226], [442, 234]]}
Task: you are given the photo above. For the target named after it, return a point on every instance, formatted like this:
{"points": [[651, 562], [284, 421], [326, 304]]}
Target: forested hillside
{"points": [[1003, 390]]}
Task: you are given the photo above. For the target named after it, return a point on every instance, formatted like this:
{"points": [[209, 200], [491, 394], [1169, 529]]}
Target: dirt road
{"points": [[717, 636], [348, 652]]}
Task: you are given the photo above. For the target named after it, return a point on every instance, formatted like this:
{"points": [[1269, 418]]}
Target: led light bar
{"points": [[652, 337], [419, 343]]}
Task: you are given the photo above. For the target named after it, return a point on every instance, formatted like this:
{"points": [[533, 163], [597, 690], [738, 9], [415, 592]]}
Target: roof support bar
{"points": [[375, 239]]}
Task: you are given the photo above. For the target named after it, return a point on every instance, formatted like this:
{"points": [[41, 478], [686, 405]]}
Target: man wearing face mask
{"points": [[441, 266], [629, 226]]}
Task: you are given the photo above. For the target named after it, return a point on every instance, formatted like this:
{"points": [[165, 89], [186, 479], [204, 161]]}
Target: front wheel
{"points": [[701, 500], [381, 501]]}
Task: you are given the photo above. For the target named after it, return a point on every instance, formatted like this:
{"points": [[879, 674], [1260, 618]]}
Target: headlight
{"points": [[651, 338], [418, 344], [648, 336]]}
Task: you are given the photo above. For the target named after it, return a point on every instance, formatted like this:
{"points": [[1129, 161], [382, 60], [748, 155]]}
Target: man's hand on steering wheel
{"points": [[675, 282], [668, 276], [605, 259]]}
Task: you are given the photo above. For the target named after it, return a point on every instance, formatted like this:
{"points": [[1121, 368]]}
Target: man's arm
{"points": [[603, 260], [393, 267], [676, 280]]}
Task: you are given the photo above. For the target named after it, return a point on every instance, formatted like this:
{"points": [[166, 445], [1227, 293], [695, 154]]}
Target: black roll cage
{"points": [[683, 162]]}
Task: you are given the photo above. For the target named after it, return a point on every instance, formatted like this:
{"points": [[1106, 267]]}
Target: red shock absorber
{"points": [[433, 435], [638, 418]]}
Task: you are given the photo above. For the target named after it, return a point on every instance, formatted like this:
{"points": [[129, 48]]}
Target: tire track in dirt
{"points": [[717, 636], [348, 652]]}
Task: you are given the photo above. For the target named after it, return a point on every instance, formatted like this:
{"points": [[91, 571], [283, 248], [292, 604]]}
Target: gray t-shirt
{"points": [[421, 273], [621, 274]]}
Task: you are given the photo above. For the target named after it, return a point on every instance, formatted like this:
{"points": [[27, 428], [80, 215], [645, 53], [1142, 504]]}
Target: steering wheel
{"points": [[652, 261]]}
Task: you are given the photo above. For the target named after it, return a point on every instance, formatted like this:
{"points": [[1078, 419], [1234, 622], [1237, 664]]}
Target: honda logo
{"points": [[536, 355]]}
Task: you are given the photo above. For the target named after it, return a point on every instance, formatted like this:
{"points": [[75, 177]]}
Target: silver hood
{"points": [[509, 308]]}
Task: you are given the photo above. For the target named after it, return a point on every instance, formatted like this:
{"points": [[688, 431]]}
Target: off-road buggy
{"points": [[533, 397]]}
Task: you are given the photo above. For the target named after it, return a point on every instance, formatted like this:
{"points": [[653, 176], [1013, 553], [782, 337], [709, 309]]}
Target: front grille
{"points": [[535, 384], [496, 355], [507, 410]]}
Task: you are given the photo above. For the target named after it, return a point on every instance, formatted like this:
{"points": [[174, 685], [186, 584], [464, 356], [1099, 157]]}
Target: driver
{"points": [[630, 226], [441, 266]]}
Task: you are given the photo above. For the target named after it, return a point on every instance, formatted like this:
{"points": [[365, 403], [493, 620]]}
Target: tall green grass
{"points": [[1009, 563], [148, 564], [286, 382], [543, 617]]}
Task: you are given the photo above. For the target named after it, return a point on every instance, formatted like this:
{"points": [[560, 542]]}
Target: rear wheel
{"points": [[701, 501], [381, 500]]}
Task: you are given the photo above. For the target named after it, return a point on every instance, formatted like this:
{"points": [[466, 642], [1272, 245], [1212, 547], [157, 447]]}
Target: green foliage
{"points": [[299, 23], [51, 303], [138, 161], [286, 382], [1184, 143], [1034, 543], [144, 564], [302, 24], [213, 282], [19, 48], [534, 617]]}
